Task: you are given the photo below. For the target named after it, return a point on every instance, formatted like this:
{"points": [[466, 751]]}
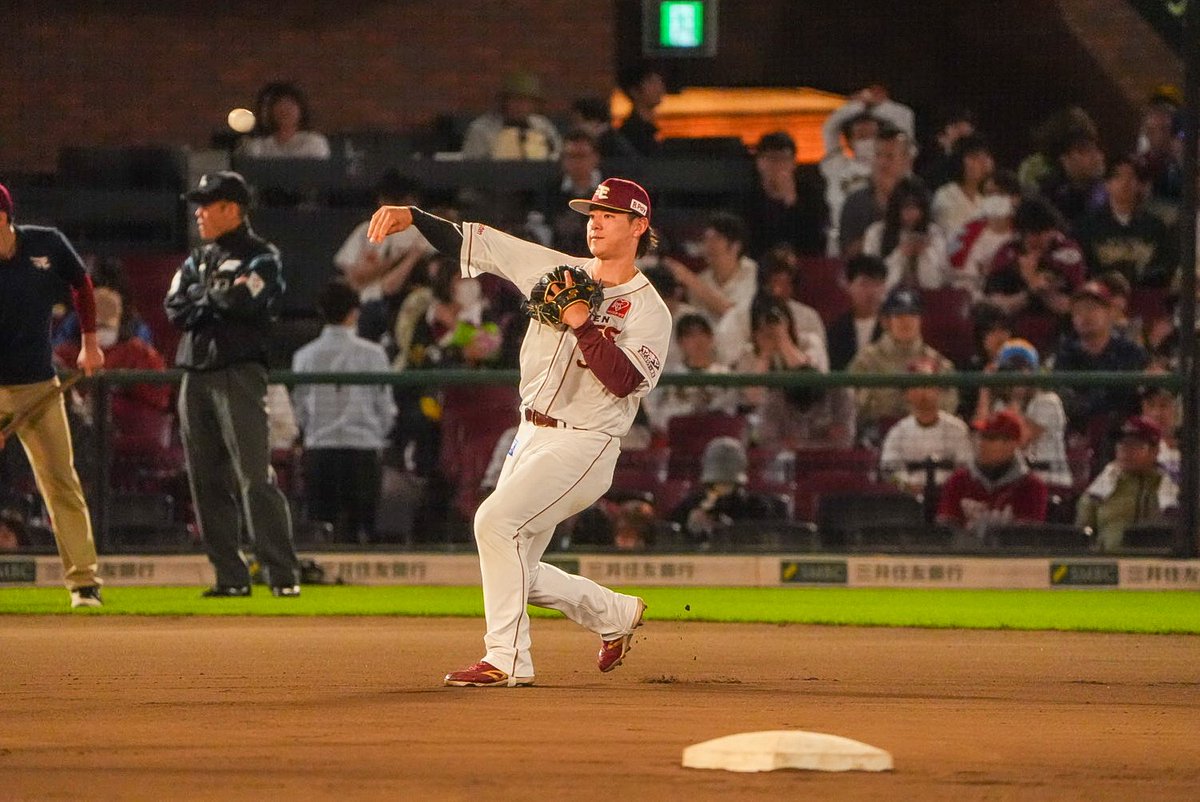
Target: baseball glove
{"points": [[562, 287]]}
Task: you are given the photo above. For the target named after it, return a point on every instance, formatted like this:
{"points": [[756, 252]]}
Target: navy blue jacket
{"points": [[224, 298], [41, 274]]}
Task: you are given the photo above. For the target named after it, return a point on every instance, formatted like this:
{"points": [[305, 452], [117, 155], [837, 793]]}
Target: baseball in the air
{"points": [[241, 120]]}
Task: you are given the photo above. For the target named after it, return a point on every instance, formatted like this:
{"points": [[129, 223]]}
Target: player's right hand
{"points": [[388, 220]]}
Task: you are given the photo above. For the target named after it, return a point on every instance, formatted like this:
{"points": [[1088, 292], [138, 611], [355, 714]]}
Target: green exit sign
{"points": [[681, 23], [679, 28]]}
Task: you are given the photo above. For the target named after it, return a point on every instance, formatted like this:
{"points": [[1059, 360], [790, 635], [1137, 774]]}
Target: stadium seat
{"points": [[765, 535], [687, 435], [811, 486], [1037, 538], [818, 283], [902, 538], [946, 323], [145, 520], [812, 460], [843, 514], [1152, 540]]}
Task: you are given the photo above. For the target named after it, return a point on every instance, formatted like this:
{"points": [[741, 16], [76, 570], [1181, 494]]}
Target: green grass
{"points": [[1162, 612]]}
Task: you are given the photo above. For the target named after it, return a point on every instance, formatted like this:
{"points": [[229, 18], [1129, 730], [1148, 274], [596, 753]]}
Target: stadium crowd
{"points": [[888, 256]]}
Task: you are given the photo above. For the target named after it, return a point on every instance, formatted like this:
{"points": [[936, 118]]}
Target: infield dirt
{"points": [[321, 708]]}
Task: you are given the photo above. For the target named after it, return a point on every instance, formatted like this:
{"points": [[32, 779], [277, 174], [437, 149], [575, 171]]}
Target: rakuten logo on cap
{"points": [[617, 194]]}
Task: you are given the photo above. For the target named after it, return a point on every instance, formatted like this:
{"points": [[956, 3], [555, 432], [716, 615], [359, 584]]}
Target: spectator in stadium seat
{"points": [[858, 122], [723, 497], [777, 275], [675, 298], [729, 276], [974, 249], [892, 162], [928, 432], [1160, 155], [1161, 406], [910, 244], [694, 335], [1043, 420], [345, 426], [1132, 489], [794, 417], [593, 115], [1075, 183], [1122, 236], [645, 88], [1095, 345], [378, 272], [1032, 278], [866, 282], [451, 324], [996, 486], [991, 328], [901, 343], [108, 271], [284, 126], [846, 168], [1050, 136], [1122, 295], [936, 162], [123, 351], [515, 132], [579, 175], [787, 205], [960, 199]]}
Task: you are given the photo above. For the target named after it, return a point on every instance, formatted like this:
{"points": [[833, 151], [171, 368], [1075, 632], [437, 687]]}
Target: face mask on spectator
{"points": [[996, 206], [467, 292], [864, 150], [106, 336]]}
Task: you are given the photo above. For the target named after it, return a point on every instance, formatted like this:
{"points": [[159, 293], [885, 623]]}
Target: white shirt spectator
{"points": [[952, 208], [302, 145], [931, 267], [668, 401], [908, 441], [1047, 453], [739, 289], [393, 248], [343, 415], [489, 137], [733, 336]]}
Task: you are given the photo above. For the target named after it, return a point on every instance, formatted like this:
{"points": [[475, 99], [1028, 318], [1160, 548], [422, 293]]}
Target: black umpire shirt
{"points": [[224, 298], [42, 273]]}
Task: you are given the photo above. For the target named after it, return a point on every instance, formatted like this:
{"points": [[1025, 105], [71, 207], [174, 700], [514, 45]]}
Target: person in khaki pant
{"points": [[37, 267]]}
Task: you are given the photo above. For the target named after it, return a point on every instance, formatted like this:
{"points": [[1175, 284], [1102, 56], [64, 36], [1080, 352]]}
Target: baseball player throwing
{"points": [[596, 344]]}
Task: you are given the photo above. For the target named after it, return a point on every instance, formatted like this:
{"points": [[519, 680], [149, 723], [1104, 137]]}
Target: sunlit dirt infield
{"points": [[325, 708]]}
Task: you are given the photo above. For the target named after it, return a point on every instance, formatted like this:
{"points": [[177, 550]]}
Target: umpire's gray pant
{"points": [[223, 417]]}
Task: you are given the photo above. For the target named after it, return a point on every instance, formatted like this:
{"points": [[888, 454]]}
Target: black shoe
{"points": [[86, 596], [221, 591], [286, 591]]}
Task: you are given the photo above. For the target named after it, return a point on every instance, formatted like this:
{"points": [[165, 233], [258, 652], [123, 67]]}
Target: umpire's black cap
{"points": [[225, 185]]}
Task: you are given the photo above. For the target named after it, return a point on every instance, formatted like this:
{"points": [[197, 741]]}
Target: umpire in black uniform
{"points": [[224, 297]]}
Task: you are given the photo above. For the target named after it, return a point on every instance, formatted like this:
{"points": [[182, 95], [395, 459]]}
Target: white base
{"points": [[786, 749]]}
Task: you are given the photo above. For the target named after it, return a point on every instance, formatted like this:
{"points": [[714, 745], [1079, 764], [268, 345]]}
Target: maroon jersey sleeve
{"points": [[611, 365]]}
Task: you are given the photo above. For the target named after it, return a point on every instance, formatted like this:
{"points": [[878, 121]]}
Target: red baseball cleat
{"points": [[612, 652], [484, 675]]}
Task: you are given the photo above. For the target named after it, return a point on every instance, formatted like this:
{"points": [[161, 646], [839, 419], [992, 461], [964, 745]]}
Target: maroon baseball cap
{"points": [[1003, 425], [1095, 291], [6, 202], [618, 194], [1142, 428]]}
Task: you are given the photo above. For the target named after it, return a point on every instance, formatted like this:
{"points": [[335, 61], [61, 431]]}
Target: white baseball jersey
{"points": [[555, 379]]}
